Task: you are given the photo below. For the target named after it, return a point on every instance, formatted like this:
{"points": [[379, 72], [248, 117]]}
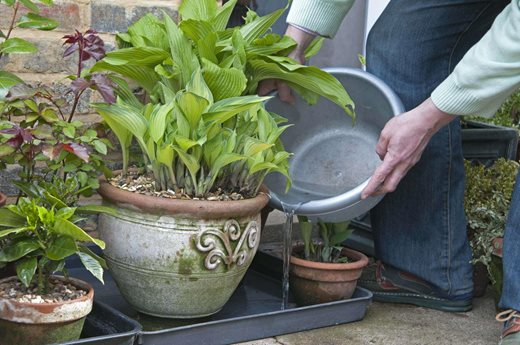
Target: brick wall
{"points": [[49, 67]]}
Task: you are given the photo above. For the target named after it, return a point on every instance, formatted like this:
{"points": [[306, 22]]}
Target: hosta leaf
{"points": [[192, 106], [260, 25], [219, 22], [207, 47], [158, 120], [143, 75], [224, 109], [221, 162], [92, 265], [188, 160], [308, 77], [152, 28], [314, 47], [35, 21], [195, 29], [198, 10], [140, 56], [184, 143], [64, 227], [198, 86], [17, 45], [61, 248], [254, 146], [25, 270], [265, 46], [181, 50]]}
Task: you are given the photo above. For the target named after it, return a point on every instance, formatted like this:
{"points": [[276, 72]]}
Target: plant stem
{"points": [[11, 26], [41, 287]]}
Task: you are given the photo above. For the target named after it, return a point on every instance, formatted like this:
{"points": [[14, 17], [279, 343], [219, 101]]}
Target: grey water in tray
{"points": [[253, 311]]}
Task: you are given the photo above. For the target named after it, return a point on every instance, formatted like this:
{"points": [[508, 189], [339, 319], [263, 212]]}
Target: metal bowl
{"points": [[333, 159]]}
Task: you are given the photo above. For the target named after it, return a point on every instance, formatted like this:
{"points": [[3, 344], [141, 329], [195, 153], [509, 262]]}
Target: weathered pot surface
{"points": [[178, 258], [319, 282], [44, 323]]}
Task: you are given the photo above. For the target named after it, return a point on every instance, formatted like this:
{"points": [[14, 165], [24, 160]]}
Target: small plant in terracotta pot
{"points": [[324, 271], [37, 306]]}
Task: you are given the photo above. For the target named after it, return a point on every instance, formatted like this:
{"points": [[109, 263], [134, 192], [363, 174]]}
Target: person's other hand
{"points": [[401, 145], [303, 39]]}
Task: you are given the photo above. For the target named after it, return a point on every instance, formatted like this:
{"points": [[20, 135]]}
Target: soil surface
{"points": [[144, 184], [59, 291]]}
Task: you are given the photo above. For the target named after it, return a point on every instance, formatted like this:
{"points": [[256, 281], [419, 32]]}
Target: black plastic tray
{"points": [[105, 325], [253, 311]]}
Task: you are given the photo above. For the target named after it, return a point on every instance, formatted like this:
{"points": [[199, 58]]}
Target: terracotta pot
{"points": [[178, 258], [44, 323], [3, 199], [319, 282]]}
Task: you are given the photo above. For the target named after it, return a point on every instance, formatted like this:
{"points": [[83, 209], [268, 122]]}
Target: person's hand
{"points": [[303, 39], [401, 145]]}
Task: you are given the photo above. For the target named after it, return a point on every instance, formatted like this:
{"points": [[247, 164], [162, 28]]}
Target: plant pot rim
{"points": [[361, 260], [189, 208], [3, 199], [34, 313]]}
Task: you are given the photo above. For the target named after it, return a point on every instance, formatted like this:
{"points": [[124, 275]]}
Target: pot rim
{"points": [[361, 260], [48, 313], [189, 208]]}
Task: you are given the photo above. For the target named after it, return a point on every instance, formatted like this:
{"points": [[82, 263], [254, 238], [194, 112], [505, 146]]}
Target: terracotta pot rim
{"points": [[3, 199], [361, 261], [197, 208], [77, 282]]}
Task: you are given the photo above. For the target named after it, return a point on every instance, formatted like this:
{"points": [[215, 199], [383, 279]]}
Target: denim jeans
{"points": [[511, 254], [421, 227]]}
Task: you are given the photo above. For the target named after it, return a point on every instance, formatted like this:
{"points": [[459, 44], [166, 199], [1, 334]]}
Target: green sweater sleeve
{"points": [[320, 16], [488, 73]]}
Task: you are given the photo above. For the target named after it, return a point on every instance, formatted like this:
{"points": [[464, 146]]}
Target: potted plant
{"points": [[189, 224], [16, 45], [323, 270], [36, 306], [486, 202]]}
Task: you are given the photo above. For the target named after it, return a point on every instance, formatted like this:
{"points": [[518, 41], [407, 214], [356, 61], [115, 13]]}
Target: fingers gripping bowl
{"points": [[333, 159]]}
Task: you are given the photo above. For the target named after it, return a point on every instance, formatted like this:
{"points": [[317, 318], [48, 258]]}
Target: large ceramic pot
{"points": [[178, 258], [44, 323], [320, 282]]}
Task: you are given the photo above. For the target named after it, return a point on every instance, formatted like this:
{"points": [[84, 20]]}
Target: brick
{"points": [[157, 11], [108, 18], [67, 14]]}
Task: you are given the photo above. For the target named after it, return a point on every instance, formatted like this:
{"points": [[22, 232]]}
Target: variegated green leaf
{"points": [[157, 124], [192, 106], [198, 10], [64, 227], [224, 109]]}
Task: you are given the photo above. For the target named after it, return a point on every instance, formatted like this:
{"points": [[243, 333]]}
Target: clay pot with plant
{"points": [[192, 215], [486, 202], [322, 270], [37, 306]]}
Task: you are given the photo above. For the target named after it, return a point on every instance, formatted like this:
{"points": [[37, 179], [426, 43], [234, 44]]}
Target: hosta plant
{"points": [[200, 126], [328, 248], [42, 232]]}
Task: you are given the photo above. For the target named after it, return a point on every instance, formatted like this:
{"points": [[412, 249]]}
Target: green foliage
{"points": [[202, 127], [486, 202], [42, 232], [508, 115], [329, 248]]}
